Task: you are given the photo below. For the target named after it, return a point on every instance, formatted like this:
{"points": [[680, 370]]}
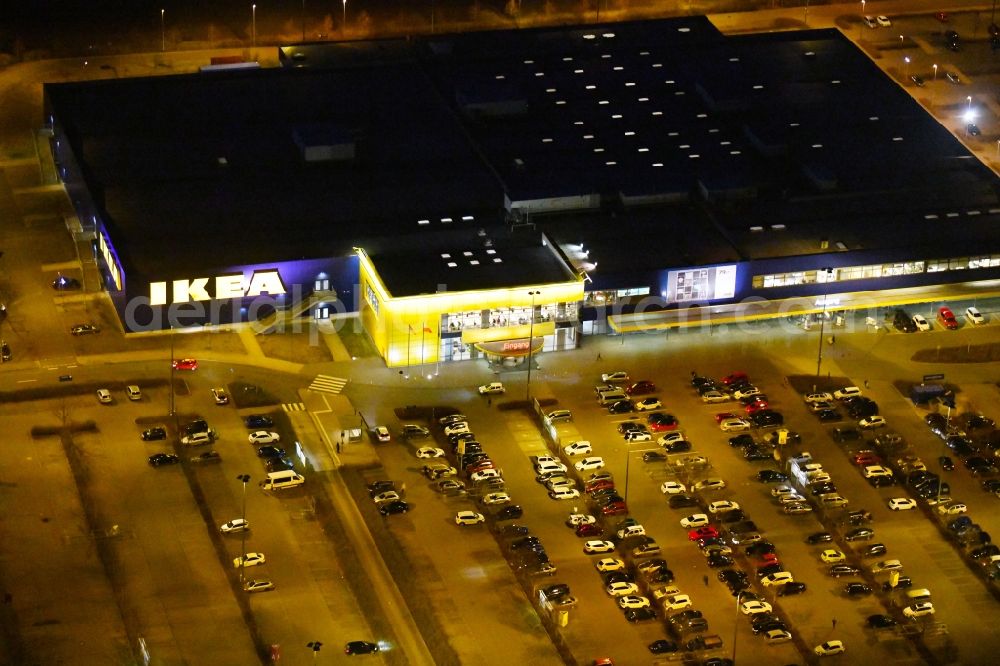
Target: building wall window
{"points": [[372, 299], [871, 271]]}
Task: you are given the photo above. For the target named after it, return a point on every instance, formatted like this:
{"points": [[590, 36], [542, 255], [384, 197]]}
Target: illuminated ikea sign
{"points": [[109, 258], [223, 287]]}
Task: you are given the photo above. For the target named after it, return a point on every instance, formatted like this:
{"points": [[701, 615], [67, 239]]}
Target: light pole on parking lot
{"points": [[531, 339], [822, 320], [736, 624], [245, 478]]}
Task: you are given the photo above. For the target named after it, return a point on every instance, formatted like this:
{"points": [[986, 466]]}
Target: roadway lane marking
{"points": [[26, 381]]}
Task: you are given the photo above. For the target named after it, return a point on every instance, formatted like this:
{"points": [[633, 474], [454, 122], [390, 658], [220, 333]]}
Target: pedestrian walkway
{"points": [[294, 406], [328, 384]]}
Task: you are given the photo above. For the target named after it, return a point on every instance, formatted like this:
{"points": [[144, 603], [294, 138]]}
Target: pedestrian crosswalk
{"points": [[294, 406], [328, 384]]}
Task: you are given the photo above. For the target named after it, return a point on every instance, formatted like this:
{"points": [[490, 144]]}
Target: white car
{"points": [[648, 404], [793, 498], [249, 560], [492, 388], [832, 500], [902, 504], [564, 493], [482, 475], [672, 488], [676, 602], [773, 636], [710, 484], [633, 601], [594, 462], [670, 438], [578, 448], [607, 564], [468, 518], [872, 422], [559, 415], [387, 496], [638, 436], [952, 509], [496, 498], [974, 316], [614, 377], [104, 396], [220, 396], [430, 452], [734, 425], [754, 607], [622, 588], [832, 556], [884, 21], [712, 397], [456, 428], [631, 531], [919, 610], [887, 565], [694, 520], [598, 546], [782, 491], [847, 392], [746, 392], [546, 467], [921, 323], [258, 586], [829, 648], [264, 437], [580, 519], [722, 505], [818, 397], [381, 434], [234, 525], [777, 579]]}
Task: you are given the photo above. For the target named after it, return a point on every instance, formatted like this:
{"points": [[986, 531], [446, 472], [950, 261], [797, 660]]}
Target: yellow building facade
{"points": [[455, 325]]}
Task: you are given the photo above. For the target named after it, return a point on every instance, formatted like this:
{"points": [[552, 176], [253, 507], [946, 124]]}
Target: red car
{"points": [[947, 319], [735, 378], [641, 388], [867, 459], [591, 529], [706, 532], [767, 559], [600, 484], [660, 422], [614, 509], [185, 364], [755, 407], [722, 416]]}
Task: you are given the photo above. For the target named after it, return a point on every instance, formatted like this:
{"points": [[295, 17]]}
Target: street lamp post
{"points": [[303, 20], [343, 20], [822, 320], [253, 24], [173, 411], [163, 34], [531, 339], [736, 622], [243, 533], [906, 68], [935, 71]]}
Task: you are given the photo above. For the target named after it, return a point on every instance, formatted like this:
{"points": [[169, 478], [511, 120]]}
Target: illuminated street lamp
{"points": [[253, 23], [822, 319], [906, 69], [531, 339], [243, 533], [969, 98], [163, 34], [935, 71], [736, 624], [343, 21], [862, 7]]}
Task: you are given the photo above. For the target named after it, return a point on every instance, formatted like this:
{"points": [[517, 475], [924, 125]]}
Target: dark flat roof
{"points": [[745, 147]]}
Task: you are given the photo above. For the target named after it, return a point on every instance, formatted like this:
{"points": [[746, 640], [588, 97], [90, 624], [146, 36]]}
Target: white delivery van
{"points": [[284, 479]]}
